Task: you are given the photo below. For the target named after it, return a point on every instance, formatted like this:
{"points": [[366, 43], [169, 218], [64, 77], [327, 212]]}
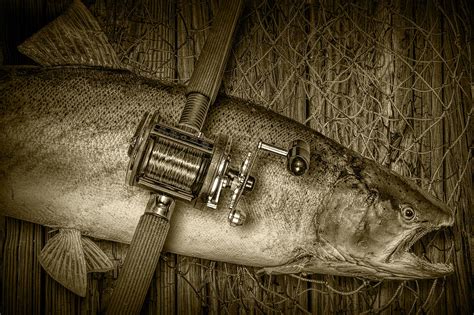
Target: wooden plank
{"points": [[229, 293], [91, 303], [407, 299], [223, 292], [167, 284], [162, 296], [188, 284], [3, 237], [399, 128], [24, 266], [21, 270], [457, 139], [37, 270], [9, 266], [437, 163], [446, 296]]}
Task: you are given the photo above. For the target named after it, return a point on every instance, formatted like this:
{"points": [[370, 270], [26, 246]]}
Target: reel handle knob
{"points": [[237, 217], [241, 182], [298, 157]]}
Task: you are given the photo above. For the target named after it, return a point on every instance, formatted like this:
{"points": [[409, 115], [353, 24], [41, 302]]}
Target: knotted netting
{"points": [[390, 79]]}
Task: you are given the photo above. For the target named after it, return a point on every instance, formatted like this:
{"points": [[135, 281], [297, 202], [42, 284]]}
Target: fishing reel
{"points": [[192, 168]]}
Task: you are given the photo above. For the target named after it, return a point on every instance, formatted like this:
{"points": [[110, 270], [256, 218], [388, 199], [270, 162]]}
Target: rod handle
{"points": [[207, 76], [139, 266], [206, 79]]}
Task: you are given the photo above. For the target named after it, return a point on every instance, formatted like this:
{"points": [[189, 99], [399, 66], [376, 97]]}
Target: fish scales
{"points": [[73, 137], [64, 138]]}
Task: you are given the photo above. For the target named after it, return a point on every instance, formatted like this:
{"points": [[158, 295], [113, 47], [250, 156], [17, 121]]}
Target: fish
{"points": [[65, 130]]}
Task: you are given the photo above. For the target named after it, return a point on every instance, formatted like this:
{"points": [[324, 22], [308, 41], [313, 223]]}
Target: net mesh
{"points": [[392, 81]]}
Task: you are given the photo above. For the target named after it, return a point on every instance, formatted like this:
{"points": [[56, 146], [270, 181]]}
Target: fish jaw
{"points": [[409, 266], [397, 262], [402, 263]]}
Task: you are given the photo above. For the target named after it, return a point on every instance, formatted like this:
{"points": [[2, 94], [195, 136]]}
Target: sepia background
{"points": [[392, 80]]}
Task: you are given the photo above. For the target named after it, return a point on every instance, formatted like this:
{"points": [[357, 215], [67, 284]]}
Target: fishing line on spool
{"points": [[175, 165]]}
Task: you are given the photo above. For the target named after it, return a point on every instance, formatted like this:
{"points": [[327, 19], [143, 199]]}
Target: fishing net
{"points": [[393, 81]]}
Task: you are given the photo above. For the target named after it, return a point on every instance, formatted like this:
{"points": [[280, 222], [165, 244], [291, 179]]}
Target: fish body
{"points": [[64, 139]]}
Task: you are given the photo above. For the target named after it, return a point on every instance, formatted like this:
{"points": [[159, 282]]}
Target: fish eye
{"points": [[408, 213]]}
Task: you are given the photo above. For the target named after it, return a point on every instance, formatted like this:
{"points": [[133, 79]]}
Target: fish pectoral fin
{"points": [[96, 259], [63, 259], [295, 266], [74, 38]]}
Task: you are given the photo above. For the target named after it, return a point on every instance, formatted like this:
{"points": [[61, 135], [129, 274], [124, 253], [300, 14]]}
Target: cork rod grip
{"points": [[140, 264]]}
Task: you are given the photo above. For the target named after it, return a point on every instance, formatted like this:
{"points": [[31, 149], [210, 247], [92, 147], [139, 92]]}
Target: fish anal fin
{"points": [[74, 38], [63, 259], [96, 259]]}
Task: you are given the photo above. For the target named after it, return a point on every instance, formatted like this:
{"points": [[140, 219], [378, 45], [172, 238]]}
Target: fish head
{"points": [[373, 217]]}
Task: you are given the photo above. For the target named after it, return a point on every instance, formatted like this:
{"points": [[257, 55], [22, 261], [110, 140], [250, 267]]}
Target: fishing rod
{"points": [[181, 163]]}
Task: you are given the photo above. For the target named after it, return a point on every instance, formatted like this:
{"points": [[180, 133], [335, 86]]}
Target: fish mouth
{"points": [[400, 264], [403, 263]]}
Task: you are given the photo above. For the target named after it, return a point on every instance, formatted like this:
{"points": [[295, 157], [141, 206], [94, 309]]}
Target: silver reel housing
{"points": [[195, 169]]}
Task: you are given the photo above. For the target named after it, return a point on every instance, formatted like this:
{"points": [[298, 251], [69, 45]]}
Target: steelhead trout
{"points": [[64, 137]]}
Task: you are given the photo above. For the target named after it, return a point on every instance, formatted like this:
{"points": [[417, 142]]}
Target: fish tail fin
{"points": [[63, 259], [74, 38], [67, 257], [96, 259]]}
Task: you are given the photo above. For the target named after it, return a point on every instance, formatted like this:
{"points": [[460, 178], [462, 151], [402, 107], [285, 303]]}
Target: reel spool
{"points": [[168, 160], [179, 164]]}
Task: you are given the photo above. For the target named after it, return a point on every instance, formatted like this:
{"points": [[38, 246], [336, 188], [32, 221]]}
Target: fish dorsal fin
{"points": [[96, 259], [63, 259], [74, 38]]}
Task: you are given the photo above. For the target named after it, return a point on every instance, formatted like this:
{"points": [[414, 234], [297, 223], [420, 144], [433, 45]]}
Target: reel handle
{"points": [[142, 257], [297, 157]]}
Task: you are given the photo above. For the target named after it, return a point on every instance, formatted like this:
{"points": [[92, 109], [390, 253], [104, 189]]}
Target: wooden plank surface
{"points": [[302, 62]]}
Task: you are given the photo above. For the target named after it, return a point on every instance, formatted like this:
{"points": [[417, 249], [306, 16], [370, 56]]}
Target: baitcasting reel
{"points": [[180, 163], [192, 168]]}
